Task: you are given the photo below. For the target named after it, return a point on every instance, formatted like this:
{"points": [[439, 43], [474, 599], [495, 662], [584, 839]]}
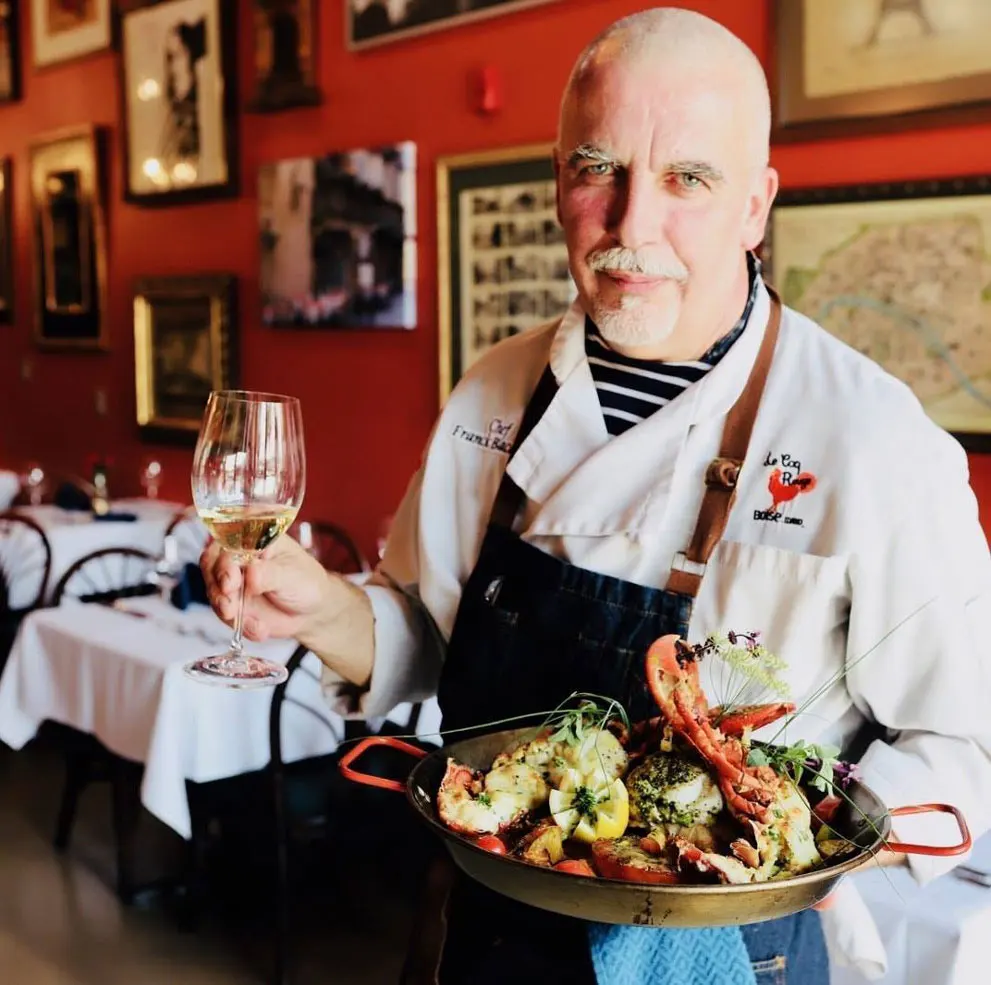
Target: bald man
{"points": [[679, 455]]}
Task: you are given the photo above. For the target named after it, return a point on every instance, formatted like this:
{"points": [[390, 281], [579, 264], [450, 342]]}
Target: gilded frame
{"points": [[486, 173], [800, 116], [77, 42], [926, 336], [69, 159], [197, 309]]}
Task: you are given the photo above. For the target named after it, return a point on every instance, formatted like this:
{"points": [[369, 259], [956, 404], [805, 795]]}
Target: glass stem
{"points": [[237, 643]]}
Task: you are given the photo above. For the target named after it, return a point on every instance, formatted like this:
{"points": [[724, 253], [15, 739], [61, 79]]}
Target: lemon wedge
{"points": [[587, 815]]}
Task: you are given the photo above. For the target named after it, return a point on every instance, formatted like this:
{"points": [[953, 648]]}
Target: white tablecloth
{"points": [[938, 934], [120, 678], [10, 485], [73, 534]]}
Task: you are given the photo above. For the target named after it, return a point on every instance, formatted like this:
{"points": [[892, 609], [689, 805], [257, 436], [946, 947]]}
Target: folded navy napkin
{"points": [[190, 587], [116, 517]]}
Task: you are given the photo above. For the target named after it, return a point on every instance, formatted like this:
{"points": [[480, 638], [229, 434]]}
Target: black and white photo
{"points": [[503, 260], [371, 22], [177, 77]]}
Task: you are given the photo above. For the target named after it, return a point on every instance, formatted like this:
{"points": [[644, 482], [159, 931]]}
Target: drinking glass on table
{"points": [[249, 475]]}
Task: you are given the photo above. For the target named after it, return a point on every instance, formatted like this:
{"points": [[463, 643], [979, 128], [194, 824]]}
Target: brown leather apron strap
{"points": [[723, 473], [510, 497]]}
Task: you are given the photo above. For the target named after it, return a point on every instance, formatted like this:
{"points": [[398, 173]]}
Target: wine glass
{"points": [[249, 474]]}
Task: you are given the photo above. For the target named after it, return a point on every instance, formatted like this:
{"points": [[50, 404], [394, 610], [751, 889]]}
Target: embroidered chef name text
{"points": [[498, 437], [768, 517]]}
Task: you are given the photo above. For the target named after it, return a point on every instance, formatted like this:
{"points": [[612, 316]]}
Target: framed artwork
{"points": [[856, 66], [69, 240], [184, 347], [372, 22], [6, 244], [338, 239], [285, 59], [902, 273], [178, 79], [502, 260], [65, 29], [10, 53]]}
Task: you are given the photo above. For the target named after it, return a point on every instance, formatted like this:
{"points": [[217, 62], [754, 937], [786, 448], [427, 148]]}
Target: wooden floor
{"points": [[61, 922]]}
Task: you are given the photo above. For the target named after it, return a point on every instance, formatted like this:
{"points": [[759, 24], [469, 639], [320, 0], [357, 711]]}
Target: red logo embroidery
{"points": [[784, 486]]}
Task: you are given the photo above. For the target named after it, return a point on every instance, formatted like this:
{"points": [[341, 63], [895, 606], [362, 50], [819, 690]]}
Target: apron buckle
{"points": [[723, 473]]}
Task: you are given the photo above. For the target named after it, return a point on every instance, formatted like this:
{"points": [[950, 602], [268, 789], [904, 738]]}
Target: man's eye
{"points": [[691, 181], [599, 170]]}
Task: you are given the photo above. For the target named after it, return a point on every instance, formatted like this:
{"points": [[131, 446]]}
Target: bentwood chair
{"points": [[25, 567]]}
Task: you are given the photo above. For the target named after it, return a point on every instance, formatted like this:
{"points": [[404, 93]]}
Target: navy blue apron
{"points": [[530, 630]]}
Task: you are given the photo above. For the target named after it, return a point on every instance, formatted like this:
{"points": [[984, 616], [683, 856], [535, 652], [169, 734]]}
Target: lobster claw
{"points": [[752, 717]]}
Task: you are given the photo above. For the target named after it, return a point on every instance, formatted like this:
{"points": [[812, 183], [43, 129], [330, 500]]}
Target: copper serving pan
{"points": [[614, 901]]}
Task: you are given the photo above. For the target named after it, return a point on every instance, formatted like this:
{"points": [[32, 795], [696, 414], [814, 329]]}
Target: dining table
{"points": [[72, 534], [116, 672]]}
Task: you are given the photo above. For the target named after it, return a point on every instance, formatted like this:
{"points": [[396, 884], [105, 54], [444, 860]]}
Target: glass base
{"points": [[227, 670]]}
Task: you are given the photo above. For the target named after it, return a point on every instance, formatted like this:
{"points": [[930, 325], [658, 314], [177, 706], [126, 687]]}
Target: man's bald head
{"points": [[682, 41]]}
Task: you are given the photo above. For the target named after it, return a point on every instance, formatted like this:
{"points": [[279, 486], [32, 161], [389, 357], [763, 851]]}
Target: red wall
{"points": [[369, 397]]}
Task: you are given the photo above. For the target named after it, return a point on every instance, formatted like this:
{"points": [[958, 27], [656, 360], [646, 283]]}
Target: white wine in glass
{"points": [[249, 476]]}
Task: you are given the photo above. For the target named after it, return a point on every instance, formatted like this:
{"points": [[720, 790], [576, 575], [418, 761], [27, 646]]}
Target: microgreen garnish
{"points": [[574, 725], [484, 799], [821, 762], [752, 669]]}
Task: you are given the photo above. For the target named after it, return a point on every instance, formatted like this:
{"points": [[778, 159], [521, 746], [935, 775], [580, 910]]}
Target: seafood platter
{"points": [[681, 821]]}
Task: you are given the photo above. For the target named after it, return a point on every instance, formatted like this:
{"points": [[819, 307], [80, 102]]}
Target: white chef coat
{"points": [[887, 535]]}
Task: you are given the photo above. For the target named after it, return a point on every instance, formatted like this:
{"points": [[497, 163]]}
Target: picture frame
{"points": [[285, 60], [63, 31], [185, 345], [899, 272], [6, 243], [10, 53], [338, 239], [369, 23], [69, 240], [502, 260], [179, 106], [847, 67]]}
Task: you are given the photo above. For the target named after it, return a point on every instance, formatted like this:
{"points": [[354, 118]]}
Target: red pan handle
{"points": [[907, 849], [366, 778]]}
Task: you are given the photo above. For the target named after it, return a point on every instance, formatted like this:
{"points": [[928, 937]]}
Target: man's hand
{"points": [[284, 589], [879, 860]]}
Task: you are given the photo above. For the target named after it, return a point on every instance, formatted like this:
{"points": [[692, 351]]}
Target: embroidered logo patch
{"points": [[497, 436], [785, 483]]}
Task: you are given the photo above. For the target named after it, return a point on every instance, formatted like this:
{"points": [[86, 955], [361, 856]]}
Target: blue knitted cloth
{"points": [[661, 956]]}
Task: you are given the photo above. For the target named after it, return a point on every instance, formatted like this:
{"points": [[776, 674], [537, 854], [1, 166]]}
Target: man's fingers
{"points": [[825, 904]]}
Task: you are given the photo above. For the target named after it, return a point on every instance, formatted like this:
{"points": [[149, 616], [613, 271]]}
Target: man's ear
{"points": [[759, 207]]}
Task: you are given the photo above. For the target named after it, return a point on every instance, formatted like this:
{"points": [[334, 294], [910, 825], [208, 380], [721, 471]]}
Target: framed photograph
{"points": [[6, 244], [65, 29], [338, 239], [10, 53], [901, 273], [502, 260], [373, 22], [184, 347], [69, 240], [285, 59], [856, 66], [178, 79]]}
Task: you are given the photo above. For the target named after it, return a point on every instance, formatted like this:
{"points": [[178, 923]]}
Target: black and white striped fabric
{"points": [[630, 390]]}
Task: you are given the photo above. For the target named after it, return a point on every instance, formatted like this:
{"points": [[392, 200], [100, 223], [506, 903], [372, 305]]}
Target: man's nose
{"points": [[638, 212]]}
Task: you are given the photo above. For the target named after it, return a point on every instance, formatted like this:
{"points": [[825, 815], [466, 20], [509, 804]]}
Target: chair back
{"points": [[189, 536], [108, 574], [333, 547], [25, 563]]}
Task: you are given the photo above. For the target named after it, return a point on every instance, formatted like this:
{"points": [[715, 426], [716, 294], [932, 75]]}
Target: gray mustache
{"points": [[635, 262]]}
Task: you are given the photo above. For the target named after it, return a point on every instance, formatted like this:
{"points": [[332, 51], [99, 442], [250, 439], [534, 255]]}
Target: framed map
{"points": [[902, 273], [856, 66]]}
